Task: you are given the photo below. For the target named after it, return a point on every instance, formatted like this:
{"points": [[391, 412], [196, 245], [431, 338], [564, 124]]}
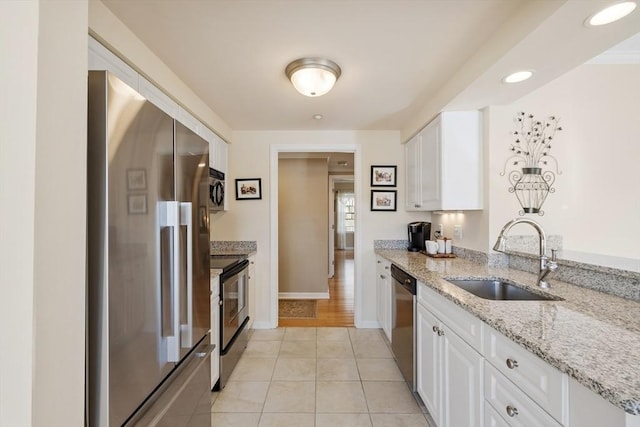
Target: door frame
{"points": [[332, 223], [275, 150]]}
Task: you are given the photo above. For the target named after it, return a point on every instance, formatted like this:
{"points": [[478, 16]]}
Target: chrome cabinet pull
{"points": [[512, 411], [440, 332], [512, 363], [435, 328]]}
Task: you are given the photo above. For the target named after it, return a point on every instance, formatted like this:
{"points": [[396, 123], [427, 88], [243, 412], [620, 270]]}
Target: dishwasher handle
{"points": [[404, 279]]}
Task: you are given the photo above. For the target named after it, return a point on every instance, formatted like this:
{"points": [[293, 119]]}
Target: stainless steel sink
{"points": [[500, 290]]}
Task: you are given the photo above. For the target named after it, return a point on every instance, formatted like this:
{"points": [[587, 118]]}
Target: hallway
{"points": [[338, 309]]}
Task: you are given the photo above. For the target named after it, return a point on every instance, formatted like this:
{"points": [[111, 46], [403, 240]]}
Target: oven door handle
{"points": [[168, 219], [186, 329]]}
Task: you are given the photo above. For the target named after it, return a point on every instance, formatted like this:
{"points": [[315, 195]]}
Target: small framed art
{"points": [[383, 176], [249, 189], [136, 179], [137, 204], [383, 200]]}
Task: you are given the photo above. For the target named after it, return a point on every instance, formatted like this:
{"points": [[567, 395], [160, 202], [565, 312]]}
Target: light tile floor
{"points": [[317, 377]]}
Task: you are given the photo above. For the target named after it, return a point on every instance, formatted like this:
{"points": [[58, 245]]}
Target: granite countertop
{"points": [[229, 251], [233, 247], [592, 336]]}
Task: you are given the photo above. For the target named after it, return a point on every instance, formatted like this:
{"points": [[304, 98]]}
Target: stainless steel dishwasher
{"points": [[403, 323]]}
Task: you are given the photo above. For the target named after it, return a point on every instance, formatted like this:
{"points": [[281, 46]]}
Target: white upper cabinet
{"points": [[101, 58], [444, 164], [157, 97], [217, 149], [189, 121]]}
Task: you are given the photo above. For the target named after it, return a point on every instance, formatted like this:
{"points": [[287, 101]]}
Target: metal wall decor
{"points": [[530, 156]]}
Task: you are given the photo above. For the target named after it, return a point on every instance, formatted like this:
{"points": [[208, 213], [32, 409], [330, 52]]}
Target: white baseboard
{"points": [[303, 295], [368, 324], [261, 325]]}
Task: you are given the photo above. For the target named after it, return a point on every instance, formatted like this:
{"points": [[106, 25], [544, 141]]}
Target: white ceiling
{"points": [[402, 60]]}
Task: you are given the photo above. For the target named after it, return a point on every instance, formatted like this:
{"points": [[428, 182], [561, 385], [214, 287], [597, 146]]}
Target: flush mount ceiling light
{"points": [[313, 76], [611, 14], [519, 76]]}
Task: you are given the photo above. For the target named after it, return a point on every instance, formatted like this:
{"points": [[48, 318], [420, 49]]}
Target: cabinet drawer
{"points": [[516, 408], [466, 325], [492, 418], [383, 268], [540, 381]]}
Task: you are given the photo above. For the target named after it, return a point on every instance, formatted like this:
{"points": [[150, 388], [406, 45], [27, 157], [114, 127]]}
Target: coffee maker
{"points": [[418, 233]]}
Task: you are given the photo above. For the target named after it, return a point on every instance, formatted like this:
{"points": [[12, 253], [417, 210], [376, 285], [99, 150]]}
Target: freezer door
{"points": [[130, 286], [184, 399], [192, 193]]}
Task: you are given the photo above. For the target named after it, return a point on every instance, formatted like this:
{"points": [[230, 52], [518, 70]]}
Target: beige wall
{"points": [[249, 156], [303, 210], [598, 154], [42, 191]]}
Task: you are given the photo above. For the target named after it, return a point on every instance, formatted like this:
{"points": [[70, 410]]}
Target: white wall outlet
{"points": [[457, 231]]}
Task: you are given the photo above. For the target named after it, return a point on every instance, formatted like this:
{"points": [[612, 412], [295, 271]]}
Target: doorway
{"points": [[342, 306]]}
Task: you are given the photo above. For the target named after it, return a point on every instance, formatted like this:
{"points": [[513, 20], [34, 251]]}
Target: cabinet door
{"points": [[252, 290], [428, 362], [215, 340], [380, 295], [384, 296], [430, 167], [101, 58], [221, 151], [412, 173], [157, 97], [462, 382]]}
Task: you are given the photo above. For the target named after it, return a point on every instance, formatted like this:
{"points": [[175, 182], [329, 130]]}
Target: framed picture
{"points": [[137, 204], [383, 176], [249, 189], [136, 179], [383, 200]]}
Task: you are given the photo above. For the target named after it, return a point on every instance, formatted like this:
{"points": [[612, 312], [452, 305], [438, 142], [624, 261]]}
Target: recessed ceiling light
{"points": [[518, 76], [611, 14], [317, 116]]}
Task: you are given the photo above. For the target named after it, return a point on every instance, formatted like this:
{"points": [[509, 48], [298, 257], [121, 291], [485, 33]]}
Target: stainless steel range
{"points": [[234, 312]]}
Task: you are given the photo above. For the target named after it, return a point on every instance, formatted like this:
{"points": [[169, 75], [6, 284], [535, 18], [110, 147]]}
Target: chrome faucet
{"points": [[546, 265]]}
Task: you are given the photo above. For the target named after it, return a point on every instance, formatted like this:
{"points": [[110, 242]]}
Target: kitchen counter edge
{"points": [[570, 346]]}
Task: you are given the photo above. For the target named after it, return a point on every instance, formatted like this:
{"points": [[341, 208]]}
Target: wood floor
{"points": [[338, 309]]}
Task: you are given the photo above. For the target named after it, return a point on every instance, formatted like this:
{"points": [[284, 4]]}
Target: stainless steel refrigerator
{"points": [[148, 348]]}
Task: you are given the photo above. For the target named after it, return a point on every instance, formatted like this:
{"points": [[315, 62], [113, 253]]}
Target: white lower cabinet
{"points": [[468, 374], [215, 330], [587, 409], [384, 295], [492, 418], [516, 408], [449, 379], [541, 382], [252, 290]]}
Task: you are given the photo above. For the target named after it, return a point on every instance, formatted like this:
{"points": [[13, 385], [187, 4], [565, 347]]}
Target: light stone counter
{"points": [[592, 336]]}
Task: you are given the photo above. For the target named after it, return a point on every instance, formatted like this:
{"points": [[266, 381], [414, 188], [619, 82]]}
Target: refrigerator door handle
{"points": [[186, 330], [169, 215]]}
